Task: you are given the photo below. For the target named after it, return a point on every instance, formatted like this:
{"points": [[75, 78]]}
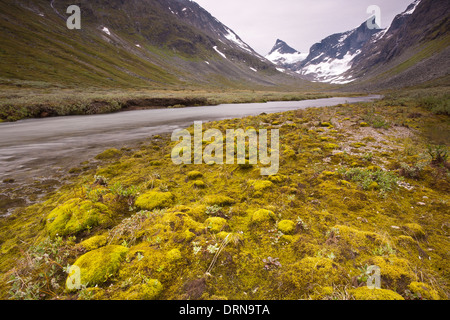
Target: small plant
{"points": [[384, 250], [213, 248], [271, 263], [301, 224], [438, 154], [197, 248], [364, 275], [213, 210]]}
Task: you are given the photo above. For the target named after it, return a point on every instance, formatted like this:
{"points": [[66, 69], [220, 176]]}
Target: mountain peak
{"points": [[284, 55]]}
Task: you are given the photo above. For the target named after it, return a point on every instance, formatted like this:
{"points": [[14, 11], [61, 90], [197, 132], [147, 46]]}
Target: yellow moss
{"points": [[310, 272], [277, 178], [365, 293], [77, 215], [148, 291], [322, 293], [260, 185], [395, 272], [108, 154], [194, 175], [199, 184], [330, 146], [286, 226], [179, 221], [173, 255], [216, 224], [219, 200], [423, 290], [155, 200], [263, 215], [414, 230], [94, 242], [99, 265], [364, 124]]}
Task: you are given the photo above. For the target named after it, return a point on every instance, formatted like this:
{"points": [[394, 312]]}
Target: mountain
{"points": [[333, 56], [285, 56], [133, 43], [413, 50]]}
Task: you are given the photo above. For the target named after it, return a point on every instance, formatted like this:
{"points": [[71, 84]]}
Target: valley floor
{"points": [[359, 186]]}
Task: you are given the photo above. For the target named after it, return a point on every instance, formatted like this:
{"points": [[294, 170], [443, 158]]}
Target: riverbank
{"points": [[357, 187], [25, 103]]}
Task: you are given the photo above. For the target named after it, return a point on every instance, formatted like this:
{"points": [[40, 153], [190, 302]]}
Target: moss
{"points": [[181, 221], [194, 175], [97, 266], [365, 293], [219, 200], [395, 272], [424, 291], [364, 125], [155, 200], [277, 178], [305, 275], [260, 185], [174, 255], [216, 224], [330, 146], [262, 215], [77, 215], [286, 226], [199, 184], [108, 154], [94, 242], [149, 291], [414, 230]]}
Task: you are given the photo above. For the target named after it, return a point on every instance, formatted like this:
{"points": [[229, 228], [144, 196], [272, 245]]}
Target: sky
{"points": [[300, 23]]}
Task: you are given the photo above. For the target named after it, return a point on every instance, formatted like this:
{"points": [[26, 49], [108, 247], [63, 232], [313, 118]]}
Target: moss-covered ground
{"points": [[359, 185]]}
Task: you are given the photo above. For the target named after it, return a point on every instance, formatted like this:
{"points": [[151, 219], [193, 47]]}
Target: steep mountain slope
{"points": [[284, 55], [415, 49], [330, 58], [142, 43]]}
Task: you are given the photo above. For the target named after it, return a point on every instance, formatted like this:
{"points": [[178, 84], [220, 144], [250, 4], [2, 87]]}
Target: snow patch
{"points": [[233, 37], [331, 70], [217, 50], [253, 69], [286, 58], [106, 30]]}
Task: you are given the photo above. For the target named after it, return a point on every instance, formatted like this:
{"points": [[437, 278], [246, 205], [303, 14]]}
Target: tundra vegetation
{"points": [[359, 185]]}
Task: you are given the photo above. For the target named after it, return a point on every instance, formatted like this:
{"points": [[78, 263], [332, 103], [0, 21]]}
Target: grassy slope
{"points": [[342, 220]]}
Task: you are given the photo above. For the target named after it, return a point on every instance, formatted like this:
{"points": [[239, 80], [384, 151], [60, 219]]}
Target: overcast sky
{"points": [[300, 23]]}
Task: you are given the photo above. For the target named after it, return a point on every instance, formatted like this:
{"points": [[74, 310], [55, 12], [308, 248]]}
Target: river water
{"points": [[36, 149]]}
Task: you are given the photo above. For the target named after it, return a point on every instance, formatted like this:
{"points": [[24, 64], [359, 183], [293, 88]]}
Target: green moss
{"points": [[94, 242], [219, 200], [216, 224], [99, 265], [77, 215], [155, 200], [286, 226], [108, 154], [424, 291], [365, 293]]}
